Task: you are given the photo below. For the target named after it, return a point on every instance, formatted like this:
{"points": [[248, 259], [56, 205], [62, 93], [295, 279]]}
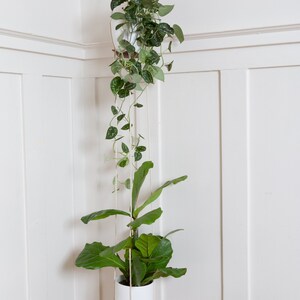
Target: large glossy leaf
{"points": [[165, 272], [148, 219], [138, 180], [146, 243], [139, 270], [156, 194], [91, 257], [102, 214], [125, 244], [160, 256]]}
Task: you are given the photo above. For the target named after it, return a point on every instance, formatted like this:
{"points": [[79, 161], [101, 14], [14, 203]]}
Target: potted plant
{"points": [[141, 258]]}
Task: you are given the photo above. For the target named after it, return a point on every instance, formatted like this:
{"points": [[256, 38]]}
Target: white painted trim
{"points": [[252, 37], [241, 38], [234, 126]]}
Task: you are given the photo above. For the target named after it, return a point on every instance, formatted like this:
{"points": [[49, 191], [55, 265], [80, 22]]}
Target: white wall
{"points": [[236, 92], [201, 17], [60, 19]]}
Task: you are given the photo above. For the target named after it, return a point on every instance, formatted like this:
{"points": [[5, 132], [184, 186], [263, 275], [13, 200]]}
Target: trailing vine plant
{"points": [[139, 62]]}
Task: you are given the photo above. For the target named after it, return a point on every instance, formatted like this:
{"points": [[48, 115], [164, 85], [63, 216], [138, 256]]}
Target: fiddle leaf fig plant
{"points": [[150, 253], [139, 62]]}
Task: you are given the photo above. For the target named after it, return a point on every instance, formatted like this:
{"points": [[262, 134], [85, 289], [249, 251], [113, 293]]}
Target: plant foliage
{"points": [[139, 62], [150, 253]]}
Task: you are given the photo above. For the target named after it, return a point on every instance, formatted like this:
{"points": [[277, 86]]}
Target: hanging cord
{"points": [[131, 165], [116, 180], [149, 148]]}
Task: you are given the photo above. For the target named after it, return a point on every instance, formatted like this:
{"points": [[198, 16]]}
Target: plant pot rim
{"points": [[121, 277]]}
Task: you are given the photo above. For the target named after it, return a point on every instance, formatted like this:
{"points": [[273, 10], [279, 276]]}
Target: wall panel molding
{"points": [[251, 37]]}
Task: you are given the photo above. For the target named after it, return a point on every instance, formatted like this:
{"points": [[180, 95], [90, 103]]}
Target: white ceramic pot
{"points": [[115, 34], [122, 292]]}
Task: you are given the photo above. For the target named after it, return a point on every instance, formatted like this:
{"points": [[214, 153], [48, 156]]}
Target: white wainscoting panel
{"points": [[190, 145], [50, 188], [13, 272], [274, 109], [234, 126]]}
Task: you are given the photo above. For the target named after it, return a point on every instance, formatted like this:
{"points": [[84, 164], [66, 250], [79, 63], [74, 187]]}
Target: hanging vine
{"points": [[139, 61]]}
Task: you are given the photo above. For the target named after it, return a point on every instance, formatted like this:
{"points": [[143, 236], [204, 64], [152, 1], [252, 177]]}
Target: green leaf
{"points": [[137, 156], [141, 148], [123, 162], [146, 243], [129, 86], [115, 180], [139, 270], [114, 110], [138, 105], [120, 117], [152, 58], [157, 193], [136, 78], [91, 258], [165, 272], [165, 28], [125, 244], [178, 32], [169, 66], [148, 219], [157, 73], [111, 132], [116, 84], [115, 3], [125, 148], [118, 16], [126, 127], [147, 76], [102, 214], [143, 55], [123, 93], [116, 67], [139, 178], [148, 3], [173, 231], [160, 256], [127, 46], [127, 183], [165, 9], [119, 26], [170, 46]]}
